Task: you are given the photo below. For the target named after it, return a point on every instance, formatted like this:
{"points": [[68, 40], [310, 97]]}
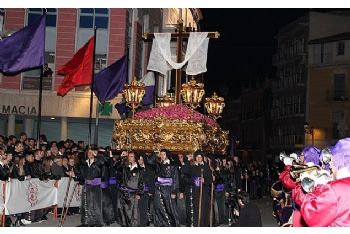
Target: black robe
{"points": [[195, 174], [91, 205], [147, 197], [107, 207], [113, 187], [131, 186], [181, 203], [166, 184], [219, 194]]}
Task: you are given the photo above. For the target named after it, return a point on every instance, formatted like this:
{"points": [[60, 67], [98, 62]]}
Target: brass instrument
{"points": [[297, 166], [309, 181], [326, 156], [296, 173]]}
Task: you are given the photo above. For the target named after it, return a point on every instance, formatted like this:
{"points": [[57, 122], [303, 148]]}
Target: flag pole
{"points": [[96, 123], [38, 127], [39, 109], [92, 87]]}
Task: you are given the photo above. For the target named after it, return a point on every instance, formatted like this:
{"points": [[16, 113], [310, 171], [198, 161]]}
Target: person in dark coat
{"points": [[131, 190], [248, 214], [107, 206], [195, 171], [57, 170], [166, 188], [4, 168], [181, 203], [91, 202], [147, 197]]}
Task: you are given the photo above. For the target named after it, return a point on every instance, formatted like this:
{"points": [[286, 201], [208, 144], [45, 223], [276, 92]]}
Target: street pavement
{"points": [[264, 204]]}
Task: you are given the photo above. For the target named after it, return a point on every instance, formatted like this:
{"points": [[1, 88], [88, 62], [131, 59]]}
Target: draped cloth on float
{"points": [[196, 54]]}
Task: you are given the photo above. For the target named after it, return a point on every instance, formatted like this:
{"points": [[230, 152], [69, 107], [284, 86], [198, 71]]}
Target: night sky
{"points": [[245, 47]]}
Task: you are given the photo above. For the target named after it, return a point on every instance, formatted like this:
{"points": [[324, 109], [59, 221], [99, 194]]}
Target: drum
{"points": [[276, 189]]}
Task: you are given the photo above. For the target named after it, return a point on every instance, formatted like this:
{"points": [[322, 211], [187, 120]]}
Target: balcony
{"points": [[332, 97], [278, 59]]}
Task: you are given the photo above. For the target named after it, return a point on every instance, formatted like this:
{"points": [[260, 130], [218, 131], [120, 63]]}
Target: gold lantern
{"points": [[133, 94], [165, 101], [192, 93], [214, 106]]}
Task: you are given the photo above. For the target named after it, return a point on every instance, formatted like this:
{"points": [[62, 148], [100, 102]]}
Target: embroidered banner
{"points": [[62, 191], [24, 196]]}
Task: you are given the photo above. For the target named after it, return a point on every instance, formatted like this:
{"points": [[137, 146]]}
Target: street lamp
{"points": [[133, 94], [214, 106], [192, 93], [309, 130]]}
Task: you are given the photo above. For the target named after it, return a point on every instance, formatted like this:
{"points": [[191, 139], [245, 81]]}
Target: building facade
{"points": [[119, 31], [249, 122], [291, 92], [328, 72]]}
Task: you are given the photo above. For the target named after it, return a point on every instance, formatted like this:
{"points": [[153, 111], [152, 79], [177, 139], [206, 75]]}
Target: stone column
{"points": [[64, 128], [28, 127], [11, 125]]}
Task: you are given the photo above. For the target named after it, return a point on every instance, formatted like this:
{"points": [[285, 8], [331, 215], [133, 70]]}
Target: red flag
{"points": [[78, 71]]}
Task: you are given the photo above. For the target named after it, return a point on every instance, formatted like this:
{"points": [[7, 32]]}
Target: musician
{"points": [[200, 175], [131, 190], [309, 156], [166, 188], [327, 205], [91, 172]]}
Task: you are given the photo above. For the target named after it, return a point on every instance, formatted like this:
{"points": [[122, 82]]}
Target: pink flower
{"points": [[175, 112]]}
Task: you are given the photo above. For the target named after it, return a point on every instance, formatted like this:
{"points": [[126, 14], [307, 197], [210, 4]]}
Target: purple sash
{"points": [[128, 190], [112, 181], [146, 188], [94, 182], [219, 187], [197, 181], [164, 181], [104, 184]]}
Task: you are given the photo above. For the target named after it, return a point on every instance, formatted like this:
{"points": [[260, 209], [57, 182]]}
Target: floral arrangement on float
{"points": [[175, 112]]}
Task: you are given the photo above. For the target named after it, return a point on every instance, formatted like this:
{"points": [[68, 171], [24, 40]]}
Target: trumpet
{"points": [[297, 172], [297, 166], [309, 181], [326, 156]]}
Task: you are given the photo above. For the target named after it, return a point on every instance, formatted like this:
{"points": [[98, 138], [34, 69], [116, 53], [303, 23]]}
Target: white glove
{"points": [[288, 161], [294, 155]]}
